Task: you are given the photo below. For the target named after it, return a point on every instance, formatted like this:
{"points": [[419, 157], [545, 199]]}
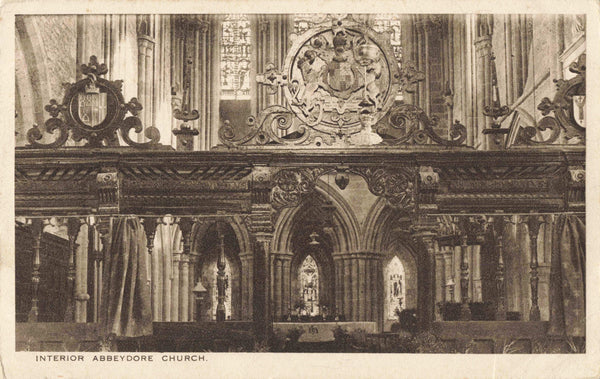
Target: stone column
{"points": [[348, 306], [281, 279], [449, 273], [247, 260], [147, 82], [476, 259], [483, 47], [339, 283], [175, 287], [440, 279], [355, 288], [261, 229], [424, 231], [185, 225], [465, 311], [270, 36]]}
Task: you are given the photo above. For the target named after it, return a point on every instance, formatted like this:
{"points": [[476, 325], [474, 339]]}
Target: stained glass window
{"points": [[390, 24], [235, 57], [395, 288], [309, 286]]}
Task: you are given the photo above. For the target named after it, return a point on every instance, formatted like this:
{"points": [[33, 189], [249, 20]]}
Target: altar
{"points": [[323, 331]]}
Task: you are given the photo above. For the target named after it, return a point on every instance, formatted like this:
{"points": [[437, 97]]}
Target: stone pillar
{"points": [[465, 311], [281, 284], [369, 299], [261, 229], [347, 263], [338, 263], [270, 35], [197, 38], [247, 260], [476, 270], [355, 288], [483, 47], [175, 287], [449, 283], [185, 225], [440, 279], [145, 77], [424, 231]]}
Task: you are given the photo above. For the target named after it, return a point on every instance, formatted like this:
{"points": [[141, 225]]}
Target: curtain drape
{"points": [[567, 278], [126, 310]]}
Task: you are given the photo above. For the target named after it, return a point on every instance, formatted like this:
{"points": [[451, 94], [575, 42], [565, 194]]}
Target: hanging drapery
{"points": [[126, 309], [567, 278]]}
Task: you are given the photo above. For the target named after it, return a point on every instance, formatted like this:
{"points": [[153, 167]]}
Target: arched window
{"points": [[309, 286], [395, 287], [235, 57]]}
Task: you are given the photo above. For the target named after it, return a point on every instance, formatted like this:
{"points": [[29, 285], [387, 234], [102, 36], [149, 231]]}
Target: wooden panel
{"points": [[56, 336]]}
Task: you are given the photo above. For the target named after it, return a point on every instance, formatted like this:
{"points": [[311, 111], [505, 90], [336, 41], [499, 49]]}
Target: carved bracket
{"points": [[396, 185], [93, 109], [568, 107], [290, 185], [108, 191]]}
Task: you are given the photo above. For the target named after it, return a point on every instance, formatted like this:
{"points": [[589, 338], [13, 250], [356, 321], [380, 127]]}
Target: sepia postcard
{"points": [[294, 190]]}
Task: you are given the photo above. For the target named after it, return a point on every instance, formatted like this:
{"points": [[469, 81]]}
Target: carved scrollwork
{"points": [[567, 106], [93, 109], [395, 185], [410, 125], [265, 130], [528, 135], [290, 185]]}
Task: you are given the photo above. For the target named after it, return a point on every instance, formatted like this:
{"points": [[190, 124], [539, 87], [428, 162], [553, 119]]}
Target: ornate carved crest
{"points": [[340, 78], [93, 109]]}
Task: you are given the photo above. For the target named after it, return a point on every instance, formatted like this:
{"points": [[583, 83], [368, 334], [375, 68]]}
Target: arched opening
{"points": [[400, 285], [206, 271], [312, 269]]}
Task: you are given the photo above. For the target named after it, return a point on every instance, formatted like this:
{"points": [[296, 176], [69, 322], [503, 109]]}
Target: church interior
{"points": [[300, 182]]}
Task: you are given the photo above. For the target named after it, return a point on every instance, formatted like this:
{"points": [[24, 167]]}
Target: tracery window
{"points": [[235, 57], [309, 286], [395, 287]]}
